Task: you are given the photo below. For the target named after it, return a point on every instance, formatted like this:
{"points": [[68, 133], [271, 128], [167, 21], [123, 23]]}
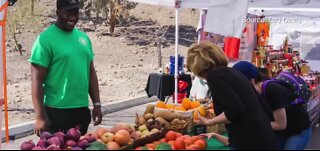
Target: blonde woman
{"points": [[235, 100]]}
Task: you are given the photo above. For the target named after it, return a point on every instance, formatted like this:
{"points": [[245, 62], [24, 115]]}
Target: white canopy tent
{"points": [[300, 8], [253, 4], [298, 5], [300, 22]]}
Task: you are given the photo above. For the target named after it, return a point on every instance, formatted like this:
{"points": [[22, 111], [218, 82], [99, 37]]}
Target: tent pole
{"points": [[5, 93], [176, 74]]}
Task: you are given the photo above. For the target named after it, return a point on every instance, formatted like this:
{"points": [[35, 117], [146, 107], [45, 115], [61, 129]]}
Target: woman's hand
{"points": [[208, 135], [202, 120]]}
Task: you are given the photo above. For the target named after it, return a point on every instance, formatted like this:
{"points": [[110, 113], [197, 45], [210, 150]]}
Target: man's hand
{"points": [[97, 115], [40, 126]]}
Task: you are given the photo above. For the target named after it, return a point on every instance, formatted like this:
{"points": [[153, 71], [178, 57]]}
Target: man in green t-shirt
{"points": [[63, 75]]}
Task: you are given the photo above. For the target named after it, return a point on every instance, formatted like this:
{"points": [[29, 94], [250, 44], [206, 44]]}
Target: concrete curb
{"points": [[25, 129]]}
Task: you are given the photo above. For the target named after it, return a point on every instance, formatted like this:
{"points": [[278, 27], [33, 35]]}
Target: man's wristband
{"points": [[97, 104]]}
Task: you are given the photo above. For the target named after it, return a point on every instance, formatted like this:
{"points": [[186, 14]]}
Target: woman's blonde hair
{"points": [[205, 56]]}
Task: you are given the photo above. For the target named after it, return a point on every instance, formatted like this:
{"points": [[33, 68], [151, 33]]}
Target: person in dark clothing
{"points": [[278, 119], [297, 132], [235, 101]]}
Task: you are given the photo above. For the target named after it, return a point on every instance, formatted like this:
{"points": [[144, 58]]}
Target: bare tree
{"points": [[20, 17], [32, 7], [114, 11], [16, 34]]}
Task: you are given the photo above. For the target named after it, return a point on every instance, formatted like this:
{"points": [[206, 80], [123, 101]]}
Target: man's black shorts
{"points": [[64, 119]]}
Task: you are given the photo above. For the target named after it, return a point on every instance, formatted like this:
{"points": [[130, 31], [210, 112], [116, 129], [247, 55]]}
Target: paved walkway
{"points": [[124, 116]]}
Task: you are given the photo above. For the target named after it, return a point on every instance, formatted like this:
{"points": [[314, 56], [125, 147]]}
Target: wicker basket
{"points": [[130, 146], [185, 114], [151, 138], [184, 129], [218, 128]]}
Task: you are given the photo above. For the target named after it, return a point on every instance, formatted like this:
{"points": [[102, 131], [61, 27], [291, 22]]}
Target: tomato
{"points": [[188, 142], [171, 143], [179, 135], [195, 138], [163, 140], [202, 144], [156, 143], [152, 146], [171, 136], [194, 147], [179, 145]]}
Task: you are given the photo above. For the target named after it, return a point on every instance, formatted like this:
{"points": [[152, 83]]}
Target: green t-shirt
{"points": [[67, 55]]}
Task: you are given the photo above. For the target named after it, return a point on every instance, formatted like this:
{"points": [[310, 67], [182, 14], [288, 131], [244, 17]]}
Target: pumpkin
{"points": [[161, 105], [186, 103]]}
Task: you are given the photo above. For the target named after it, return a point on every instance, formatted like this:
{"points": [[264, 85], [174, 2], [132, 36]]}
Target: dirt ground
{"points": [[123, 62]]}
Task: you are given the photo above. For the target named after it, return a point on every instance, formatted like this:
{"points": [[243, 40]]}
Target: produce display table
{"points": [[214, 144]]}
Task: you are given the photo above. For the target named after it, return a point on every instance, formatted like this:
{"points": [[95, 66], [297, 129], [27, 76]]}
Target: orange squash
{"points": [[169, 106], [211, 106], [186, 103], [202, 111], [161, 105], [195, 104], [180, 108]]}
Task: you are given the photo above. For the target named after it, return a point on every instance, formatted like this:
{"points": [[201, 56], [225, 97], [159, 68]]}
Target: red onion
{"points": [[90, 138], [83, 144], [73, 134], [42, 143], [55, 141], [39, 148], [28, 145], [61, 135], [45, 135], [53, 147], [71, 143], [76, 148]]}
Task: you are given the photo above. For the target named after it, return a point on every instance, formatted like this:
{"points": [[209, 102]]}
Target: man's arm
{"points": [[38, 75], [95, 96]]}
